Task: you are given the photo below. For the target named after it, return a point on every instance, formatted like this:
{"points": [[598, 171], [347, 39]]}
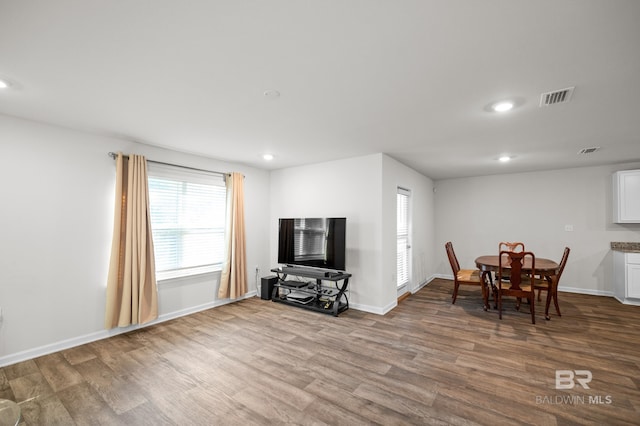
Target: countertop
{"points": [[626, 247]]}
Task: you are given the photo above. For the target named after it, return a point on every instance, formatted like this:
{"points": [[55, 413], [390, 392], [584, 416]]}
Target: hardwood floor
{"points": [[426, 362]]}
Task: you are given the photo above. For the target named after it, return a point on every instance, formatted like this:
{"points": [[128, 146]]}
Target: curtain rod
{"points": [[114, 155]]}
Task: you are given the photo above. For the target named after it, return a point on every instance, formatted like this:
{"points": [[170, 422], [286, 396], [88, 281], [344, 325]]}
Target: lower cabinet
{"points": [[633, 280], [626, 277]]}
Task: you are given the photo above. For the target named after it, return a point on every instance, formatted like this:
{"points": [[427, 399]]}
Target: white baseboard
{"points": [[560, 288], [443, 276], [586, 291], [382, 311], [426, 283], [631, 302], [103, 334], [373, 309]]}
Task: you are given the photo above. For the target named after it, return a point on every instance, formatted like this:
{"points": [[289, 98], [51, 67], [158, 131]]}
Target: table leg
{"points": [[491, 288], [494, 291], [485, 291]]}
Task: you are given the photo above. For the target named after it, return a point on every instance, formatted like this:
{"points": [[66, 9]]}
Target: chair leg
{"points": [[552, 292], [555, 302], [533, 309], [494, 290], [548, 302], [539, 291], [455, 293]]}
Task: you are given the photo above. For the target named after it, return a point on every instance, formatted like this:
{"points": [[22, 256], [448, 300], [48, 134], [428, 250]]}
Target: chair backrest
{"points": [[515, 261], [563, 261], [453, 260], [507, 246]]}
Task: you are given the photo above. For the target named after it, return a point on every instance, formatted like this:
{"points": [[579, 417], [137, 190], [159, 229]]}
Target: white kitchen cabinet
{"points": [[633, 280], [626, 277], [626, 196]]}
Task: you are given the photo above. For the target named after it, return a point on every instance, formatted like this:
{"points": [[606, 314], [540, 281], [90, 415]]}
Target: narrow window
{"points": [[403, 237]]}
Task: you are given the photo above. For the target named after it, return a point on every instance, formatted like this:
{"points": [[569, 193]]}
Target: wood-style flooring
{"points": [[426, 362]]}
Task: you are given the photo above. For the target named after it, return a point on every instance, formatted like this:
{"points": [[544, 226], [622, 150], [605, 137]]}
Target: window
{"points": [[187, 220], [402, 232]]}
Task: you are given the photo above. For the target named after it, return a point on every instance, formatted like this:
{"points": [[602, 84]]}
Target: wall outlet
{"points": [[568, 228]]}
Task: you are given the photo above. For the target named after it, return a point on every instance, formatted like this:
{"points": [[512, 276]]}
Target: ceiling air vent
{"points": [[588, 150], [556, 97]]}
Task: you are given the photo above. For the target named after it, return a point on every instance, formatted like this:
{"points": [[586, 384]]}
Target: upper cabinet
{"points": [[626, 196]]}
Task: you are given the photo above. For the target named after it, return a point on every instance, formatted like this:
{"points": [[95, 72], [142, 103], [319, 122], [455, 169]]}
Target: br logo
{"points": [[565, 378]]}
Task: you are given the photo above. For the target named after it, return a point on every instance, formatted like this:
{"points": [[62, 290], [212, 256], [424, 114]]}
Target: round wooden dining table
{"points": [[492, 263], [545, 267]]}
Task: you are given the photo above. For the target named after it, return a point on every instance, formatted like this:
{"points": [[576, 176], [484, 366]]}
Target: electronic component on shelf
{"points": [[328, 292], [294, 284], [299, 297]]}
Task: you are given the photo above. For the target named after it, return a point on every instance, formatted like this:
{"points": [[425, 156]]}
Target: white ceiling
{"points": [[411, 79]]}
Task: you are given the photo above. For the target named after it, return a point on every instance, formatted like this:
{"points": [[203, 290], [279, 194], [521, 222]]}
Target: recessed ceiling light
{"points": [[502, 106], [504, 159], [3, 84], [268, 157], [589, 150]]}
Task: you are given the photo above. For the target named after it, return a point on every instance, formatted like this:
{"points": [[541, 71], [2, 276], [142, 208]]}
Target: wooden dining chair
{"points": [[464, 276], [550, 284], [519, 285], [508, 246], [516, 246]]}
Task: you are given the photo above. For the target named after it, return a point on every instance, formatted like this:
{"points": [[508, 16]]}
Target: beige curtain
{"points": [[233, 282], [132, 294]]}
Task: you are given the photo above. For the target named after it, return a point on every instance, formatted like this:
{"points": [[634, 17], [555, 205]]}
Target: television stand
{"points": [[326, 293]]}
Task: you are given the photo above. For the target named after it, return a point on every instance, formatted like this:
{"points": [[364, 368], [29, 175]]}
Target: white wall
{"points": [[363, 190], [346, 188], [477, 213], [57, 217], [396, 174]]}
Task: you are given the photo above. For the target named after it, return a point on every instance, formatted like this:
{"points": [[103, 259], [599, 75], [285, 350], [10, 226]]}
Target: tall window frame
{"points": [[188, 210], [403, 237]]}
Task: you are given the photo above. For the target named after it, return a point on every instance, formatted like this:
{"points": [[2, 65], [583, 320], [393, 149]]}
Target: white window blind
{"points": [[187, 220], [402, 264], [310, 239]]}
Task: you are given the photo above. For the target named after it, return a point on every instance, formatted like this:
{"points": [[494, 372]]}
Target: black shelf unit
{"points": [[319, 297]]}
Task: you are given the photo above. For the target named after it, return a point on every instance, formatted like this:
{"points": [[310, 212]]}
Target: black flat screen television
{"points": [[313, 242]]}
